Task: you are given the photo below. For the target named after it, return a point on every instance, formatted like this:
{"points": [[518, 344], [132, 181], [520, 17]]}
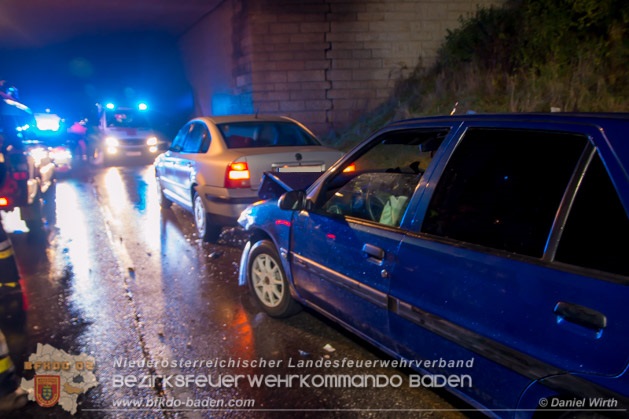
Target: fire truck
{"points": [[27, 169]]}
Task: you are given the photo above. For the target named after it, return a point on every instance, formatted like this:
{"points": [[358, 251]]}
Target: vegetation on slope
{"points": [[527, 56]]}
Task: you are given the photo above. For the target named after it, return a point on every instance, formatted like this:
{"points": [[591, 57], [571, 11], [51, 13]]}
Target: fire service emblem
{"points": [[47, 390]]}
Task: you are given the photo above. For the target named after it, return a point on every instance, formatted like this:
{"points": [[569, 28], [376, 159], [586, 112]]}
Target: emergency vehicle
{"points": [[124, 132], [27, 169]]}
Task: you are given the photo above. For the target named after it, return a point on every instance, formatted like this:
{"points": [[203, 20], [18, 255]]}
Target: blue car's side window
{"points": [[502, 188], [596, 225], [378, 185]]}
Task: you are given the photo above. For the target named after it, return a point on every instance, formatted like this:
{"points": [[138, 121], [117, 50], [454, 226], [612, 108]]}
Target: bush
{"points": [[529, 55]]}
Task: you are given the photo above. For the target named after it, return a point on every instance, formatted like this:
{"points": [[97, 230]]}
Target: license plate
{"points": [[133, 153], [285, 169]]}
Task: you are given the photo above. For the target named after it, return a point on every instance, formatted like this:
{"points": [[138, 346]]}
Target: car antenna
{"points": [[453, 111]]}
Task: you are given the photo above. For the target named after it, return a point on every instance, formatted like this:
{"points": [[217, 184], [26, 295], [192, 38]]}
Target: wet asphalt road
{"points": [[121, 280]]}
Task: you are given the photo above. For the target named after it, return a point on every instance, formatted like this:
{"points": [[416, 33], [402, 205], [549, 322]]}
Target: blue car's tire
{"points": [[267, 281]]}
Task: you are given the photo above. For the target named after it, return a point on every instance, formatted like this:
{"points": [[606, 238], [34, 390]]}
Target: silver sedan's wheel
{"points": [[205, 229], [199, 215], [268, 281]]}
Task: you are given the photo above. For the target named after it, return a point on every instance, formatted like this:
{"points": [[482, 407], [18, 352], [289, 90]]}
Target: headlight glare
{"points": [[39, 153], [112, 142], [60, 154]]}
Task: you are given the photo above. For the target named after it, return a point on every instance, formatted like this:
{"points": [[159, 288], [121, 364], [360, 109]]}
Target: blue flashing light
{"points": [[48, 122], [110, 105], [142, 106]]}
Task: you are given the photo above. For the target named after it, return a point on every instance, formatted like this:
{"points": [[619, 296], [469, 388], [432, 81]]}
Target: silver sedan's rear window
{"points": [[265, 134]]}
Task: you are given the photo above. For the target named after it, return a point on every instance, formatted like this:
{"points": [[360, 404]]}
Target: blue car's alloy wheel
{"points": [[268, 281]]}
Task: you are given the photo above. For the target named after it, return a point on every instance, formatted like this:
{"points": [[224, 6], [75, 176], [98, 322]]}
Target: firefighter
{"points": [[9, 275], [12, 396]]}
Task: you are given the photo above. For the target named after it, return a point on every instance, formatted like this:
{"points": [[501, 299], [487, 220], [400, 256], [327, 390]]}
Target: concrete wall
{"points": [[208, 53], [323, 62]]}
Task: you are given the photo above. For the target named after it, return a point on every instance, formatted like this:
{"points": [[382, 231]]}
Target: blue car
{"points": [[488, 252]]}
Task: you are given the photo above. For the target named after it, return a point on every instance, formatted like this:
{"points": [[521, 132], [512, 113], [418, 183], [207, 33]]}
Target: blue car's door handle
{"points": [[373, 253], [583, 316]]}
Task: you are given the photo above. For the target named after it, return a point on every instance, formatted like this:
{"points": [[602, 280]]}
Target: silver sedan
{"points": [[215, 164]]}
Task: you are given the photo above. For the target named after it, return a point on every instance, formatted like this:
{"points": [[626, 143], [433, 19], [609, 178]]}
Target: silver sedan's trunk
{"points": [[287, 159]]}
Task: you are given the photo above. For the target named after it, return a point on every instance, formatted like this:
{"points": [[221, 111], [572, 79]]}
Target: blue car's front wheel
{"points": [[268, 281]]}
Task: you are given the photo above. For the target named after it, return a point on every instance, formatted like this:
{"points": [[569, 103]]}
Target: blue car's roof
{"points": [[615, 125], [575, 117]]}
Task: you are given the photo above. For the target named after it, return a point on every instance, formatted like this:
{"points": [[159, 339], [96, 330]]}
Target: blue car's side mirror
{"points": [[292, 200]]}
